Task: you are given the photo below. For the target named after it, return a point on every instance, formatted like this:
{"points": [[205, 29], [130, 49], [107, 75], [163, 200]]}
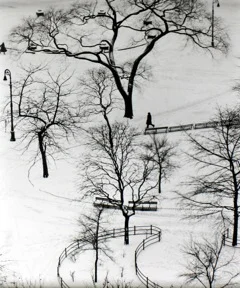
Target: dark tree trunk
{"points": [[43, 155], [159, 182], [235, 205], [96, 265], [96, 245], [128, 107], [235, 222], [126, 230]]}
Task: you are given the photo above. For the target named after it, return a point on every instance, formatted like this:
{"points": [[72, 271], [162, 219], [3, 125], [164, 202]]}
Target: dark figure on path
{"points": [[149, 120], [3, 48]]}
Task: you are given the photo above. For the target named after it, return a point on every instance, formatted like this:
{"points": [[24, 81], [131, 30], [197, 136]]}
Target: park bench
{"points": [[144, 205], [104, 203]]}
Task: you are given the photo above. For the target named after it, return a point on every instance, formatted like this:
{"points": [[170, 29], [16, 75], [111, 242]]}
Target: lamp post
{"points": [[7, 72], [218, 5]]}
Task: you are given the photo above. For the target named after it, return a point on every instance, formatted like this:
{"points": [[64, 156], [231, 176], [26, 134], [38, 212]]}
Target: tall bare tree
{"points": [[208, 266], [103, 32], [161, 153], [91, 230], [215, 190], [47, 111], [116, 171]]}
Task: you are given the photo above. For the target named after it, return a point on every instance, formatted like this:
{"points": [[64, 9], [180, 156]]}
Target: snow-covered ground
{"points": [[38, 217]]}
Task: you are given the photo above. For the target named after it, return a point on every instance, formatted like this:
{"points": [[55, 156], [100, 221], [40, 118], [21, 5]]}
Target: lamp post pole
{"points": [[218, 5], [7, 72]]}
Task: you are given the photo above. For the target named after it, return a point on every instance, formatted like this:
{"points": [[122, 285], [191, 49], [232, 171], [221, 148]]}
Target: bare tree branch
{"points": [[114, 169], [216, 187], [85, 32], [160, 152], [46, 112], [207, 265]]}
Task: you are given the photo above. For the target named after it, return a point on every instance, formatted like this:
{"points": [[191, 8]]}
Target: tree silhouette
{"points": [[207, 265], [215, 189], [116, 171], [46, 112], [118, 34], [91, 230], [160, 152], [113, 167]]}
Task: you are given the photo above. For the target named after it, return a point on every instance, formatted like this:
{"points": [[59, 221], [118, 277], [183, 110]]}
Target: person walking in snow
{"points": [[149, 120], [3, 48]]}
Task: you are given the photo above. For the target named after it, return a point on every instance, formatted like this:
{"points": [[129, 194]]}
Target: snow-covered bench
{"points": [[140, 206], [144, 205], [104, 202]]}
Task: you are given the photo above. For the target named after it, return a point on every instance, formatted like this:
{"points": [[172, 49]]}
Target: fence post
{"points": [[61, 283], [134, 229], [223, 239], [151, 229], [78, 243], [143, 243], [66, 252], [113, 233], [159, 236], [228, 233], [136, 262], [147, 282]]}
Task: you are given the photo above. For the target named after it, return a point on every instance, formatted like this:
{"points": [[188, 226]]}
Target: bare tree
{"points": [[99, 93], [116, 171], [208, 266], [91, 231], [160, 152], [216, 153], [47, 111], [103, 33]]}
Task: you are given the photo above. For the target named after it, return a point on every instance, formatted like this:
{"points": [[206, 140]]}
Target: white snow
{"points": [[38, 219]]}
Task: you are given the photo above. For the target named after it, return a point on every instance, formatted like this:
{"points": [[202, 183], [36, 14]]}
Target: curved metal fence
{"points": [[152, 239], [155, 236]]}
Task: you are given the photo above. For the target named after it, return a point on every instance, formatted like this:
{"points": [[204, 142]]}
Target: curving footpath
{"points": [[154, 237]]}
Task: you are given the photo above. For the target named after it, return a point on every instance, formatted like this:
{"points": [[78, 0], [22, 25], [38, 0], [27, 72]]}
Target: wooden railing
{"points": [[201, 125], [155, 236]]}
